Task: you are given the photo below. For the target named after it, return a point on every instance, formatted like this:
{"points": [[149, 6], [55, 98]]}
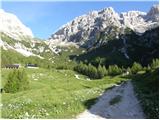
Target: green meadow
{"points": [[53, 94]]}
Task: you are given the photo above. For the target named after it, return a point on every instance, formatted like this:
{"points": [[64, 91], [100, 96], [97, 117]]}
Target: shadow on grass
{"points": [[90, 102]]}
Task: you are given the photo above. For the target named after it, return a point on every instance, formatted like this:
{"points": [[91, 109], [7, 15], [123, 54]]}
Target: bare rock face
{"points": [[85, 30], [13, 27], [17, 37], [153, 14]]}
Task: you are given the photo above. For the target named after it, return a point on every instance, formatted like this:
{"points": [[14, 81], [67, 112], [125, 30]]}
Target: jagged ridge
{"points": [[84, 30]]}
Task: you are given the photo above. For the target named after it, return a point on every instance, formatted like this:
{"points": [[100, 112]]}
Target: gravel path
{"points": [[117, 103]]}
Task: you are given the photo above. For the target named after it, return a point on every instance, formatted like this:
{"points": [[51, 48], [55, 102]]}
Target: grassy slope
{"points": [[147, 88], [53, 95]]}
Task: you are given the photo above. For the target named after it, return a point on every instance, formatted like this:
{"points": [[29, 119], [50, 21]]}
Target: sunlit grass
{"points": [[53, 94]]}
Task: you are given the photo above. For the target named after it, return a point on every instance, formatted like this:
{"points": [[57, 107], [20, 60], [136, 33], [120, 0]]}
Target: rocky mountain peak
{"points": [[153, 14], [84, 30], [13, 27], [108, 10]]}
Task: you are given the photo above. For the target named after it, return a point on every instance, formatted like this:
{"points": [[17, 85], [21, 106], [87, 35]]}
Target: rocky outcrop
{"points": [[13, 27], [153, 14], [85, 30]]}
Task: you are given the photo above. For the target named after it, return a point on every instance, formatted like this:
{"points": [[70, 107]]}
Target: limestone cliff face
{"points": [[84, 30]]}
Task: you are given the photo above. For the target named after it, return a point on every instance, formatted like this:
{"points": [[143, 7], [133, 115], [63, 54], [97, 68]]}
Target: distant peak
{"points": [[153, 14], [108, 9], [154, 9], [12, 26]]}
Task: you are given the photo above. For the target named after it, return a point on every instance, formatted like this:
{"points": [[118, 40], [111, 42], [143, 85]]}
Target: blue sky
{"points": [[44, 18]]}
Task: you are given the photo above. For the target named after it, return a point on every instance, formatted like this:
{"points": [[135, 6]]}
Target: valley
{"points": [[54, 94], [96, 66]]}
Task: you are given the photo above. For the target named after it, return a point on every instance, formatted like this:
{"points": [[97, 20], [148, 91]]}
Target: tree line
{"points": [[101, 71]]}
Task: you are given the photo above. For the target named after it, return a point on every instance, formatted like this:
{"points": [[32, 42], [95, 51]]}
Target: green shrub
{"points": [[114, 70], [148, 69], [63, 67], [98, 60], [101, 71], [92, 71], [129, 70], [17, 81], [146, 86], [136, 67], [155, 63]]}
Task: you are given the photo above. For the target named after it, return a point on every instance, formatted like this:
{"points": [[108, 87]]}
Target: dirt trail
{"points": [[119, 102]]}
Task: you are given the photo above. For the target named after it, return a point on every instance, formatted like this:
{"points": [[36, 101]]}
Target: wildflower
{"points": [[64, 103], [26, 114]]}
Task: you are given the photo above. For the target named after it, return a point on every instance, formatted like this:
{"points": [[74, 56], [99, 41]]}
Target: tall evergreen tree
{"points": [[155, 63], [136, 67], [100, 71], [114, 70], [105, 70]]}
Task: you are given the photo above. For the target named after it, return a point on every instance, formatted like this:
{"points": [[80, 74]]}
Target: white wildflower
{"points": [[64, 103]]}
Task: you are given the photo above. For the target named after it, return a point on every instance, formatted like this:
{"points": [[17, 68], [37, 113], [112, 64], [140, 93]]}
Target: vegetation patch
{"points": [[16, 81], [91, 71], [56, 94], [147, 87]]}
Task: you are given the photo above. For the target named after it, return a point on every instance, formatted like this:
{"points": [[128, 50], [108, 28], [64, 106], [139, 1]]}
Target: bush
{"points": [[91, 71], [63, 67], [136, 67], [81, 68], [17, 81], [148, 69], [101, 71], [129, 70], [98, 60], [155, 63], [114, 70]]}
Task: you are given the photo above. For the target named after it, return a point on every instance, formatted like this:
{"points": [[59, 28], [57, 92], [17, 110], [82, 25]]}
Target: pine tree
{"points": [[105, 71], [17, 81], [129, 70], [92, 71], [155, 63], [100, 71], [114, 70], [148, 69], [136, 67]]}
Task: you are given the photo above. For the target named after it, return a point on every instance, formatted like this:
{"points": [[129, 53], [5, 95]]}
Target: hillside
{"points": [[125, 50]]}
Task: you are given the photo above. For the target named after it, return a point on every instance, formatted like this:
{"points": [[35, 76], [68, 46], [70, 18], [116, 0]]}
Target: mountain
{"points": [[13, 27], [85, 30], [125, 50], [18, 45], [115, 38], [16, 36]]}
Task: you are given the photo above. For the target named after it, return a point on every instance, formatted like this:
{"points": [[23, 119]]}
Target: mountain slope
{"points": [[19, 38], [13, 27], [125, 50], [85, 30], [109, 37]]}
